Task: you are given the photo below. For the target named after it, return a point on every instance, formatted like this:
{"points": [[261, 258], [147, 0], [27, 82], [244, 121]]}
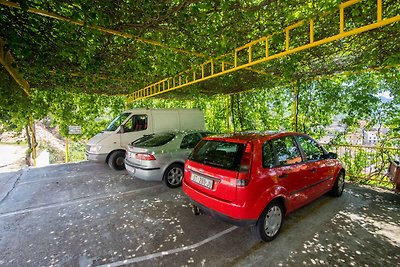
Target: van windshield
{"points": [[117, 121], [220, 154]]}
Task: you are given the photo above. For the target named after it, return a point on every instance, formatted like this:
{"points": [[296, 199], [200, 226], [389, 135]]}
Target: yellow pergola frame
{"points": [[189, 77], [6, 59], [109, 31], [99, 28], [169, 84]]}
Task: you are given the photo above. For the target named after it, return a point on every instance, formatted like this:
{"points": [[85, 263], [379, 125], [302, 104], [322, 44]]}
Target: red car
{"points": [[257, 179]]}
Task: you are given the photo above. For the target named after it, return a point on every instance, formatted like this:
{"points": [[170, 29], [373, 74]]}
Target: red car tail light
{"points": [[243, 178], [145, 156]]}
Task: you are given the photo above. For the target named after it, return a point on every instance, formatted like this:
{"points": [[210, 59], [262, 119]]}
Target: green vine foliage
{"points": [[92, 112], [57, 55], [78, 74], [15, 105], [348, 98], [366, 165]]}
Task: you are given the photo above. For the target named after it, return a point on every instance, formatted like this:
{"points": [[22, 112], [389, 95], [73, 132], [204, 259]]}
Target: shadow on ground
{"points": [[88, 215]]}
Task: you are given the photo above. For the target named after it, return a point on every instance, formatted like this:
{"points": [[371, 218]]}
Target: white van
{"points": [[109, 145]]}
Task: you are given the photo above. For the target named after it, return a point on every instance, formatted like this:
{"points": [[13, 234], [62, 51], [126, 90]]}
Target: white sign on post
{"points": [[74, 130]]}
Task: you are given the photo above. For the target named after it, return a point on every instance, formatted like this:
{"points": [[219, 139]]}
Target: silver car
{"points": [[161, 156]]}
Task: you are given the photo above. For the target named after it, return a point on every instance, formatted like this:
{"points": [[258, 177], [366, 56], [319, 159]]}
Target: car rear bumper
{"points": [[147, 174], [223, 217], [96, 157], [229, 212]]}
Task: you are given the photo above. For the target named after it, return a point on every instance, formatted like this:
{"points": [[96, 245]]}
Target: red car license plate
{"points": [[208, 183]]}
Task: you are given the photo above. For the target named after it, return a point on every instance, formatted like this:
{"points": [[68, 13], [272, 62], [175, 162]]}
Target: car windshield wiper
{"points": [[213, 163]]}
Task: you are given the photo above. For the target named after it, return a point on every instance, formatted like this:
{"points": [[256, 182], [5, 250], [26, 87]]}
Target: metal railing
{"points": [[261, 50], [366, 164]]}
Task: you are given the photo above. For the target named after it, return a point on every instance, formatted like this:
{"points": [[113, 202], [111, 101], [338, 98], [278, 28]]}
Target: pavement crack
{"points": [[13, 187]]}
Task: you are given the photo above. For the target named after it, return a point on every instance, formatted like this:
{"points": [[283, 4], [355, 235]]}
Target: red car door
{"points": [[290, 171], [321, 168]]}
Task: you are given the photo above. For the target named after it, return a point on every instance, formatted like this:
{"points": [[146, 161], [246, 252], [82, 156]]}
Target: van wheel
{"points": [[270, 222], [173, 175], [116, 161], [338, 187]]}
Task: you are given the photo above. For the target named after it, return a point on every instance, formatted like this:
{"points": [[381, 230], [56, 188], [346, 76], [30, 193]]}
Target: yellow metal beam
{"points": [[99, 28], [105, 30], [379, 10], [66, 151], [311, 31], [342, 7], [140, 94], [6, 59]]}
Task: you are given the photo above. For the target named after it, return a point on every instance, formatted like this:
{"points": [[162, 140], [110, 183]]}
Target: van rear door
{"points": [[191, 119], [165, 120], [214, 168]]}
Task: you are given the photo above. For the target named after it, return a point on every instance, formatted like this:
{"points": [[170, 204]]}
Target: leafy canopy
{"points": [[73, 69]]}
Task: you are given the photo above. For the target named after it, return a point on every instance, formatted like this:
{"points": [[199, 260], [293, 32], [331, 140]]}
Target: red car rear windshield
{"points": [[220, 154]]}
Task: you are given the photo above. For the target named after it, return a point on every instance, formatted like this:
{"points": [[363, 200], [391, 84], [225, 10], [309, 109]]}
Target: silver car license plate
{"points": [[208, 183]]}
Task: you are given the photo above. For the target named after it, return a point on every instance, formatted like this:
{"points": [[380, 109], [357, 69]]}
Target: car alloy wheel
{"points": [[174, 175], [273, 221], [270, 222]]}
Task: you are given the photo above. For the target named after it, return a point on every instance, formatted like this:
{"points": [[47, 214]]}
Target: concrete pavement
{"points": [[12, 157], [85, 214]]}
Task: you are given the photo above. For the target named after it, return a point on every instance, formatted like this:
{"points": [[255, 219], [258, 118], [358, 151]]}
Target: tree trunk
{"points": [[239, 112], [233, 112], [28, 158]]}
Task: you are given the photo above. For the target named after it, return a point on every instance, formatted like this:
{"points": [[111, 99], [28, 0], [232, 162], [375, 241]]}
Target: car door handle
{"points": [[313, 170], [283, 175]]}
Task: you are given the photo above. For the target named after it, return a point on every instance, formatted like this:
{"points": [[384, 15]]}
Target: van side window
{"points": [[268, 160], [136, 123], [311, 148], [286, 151], [190, 140]]}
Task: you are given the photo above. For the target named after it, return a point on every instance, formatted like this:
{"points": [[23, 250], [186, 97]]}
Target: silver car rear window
{"points": [[154, 140]]}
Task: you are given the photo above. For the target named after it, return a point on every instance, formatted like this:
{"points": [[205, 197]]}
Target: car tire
{"points": [[116, 161], [338, 187], [173, 175], [270, 222]]}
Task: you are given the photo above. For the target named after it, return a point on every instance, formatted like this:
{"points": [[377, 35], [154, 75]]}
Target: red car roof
{"points": [[249, 136]]}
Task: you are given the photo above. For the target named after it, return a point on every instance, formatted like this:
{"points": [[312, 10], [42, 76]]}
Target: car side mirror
{"points": [[121, 129], [331, 155]]}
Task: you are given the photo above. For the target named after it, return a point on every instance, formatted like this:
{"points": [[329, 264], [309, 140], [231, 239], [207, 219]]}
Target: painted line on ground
{"points": [[41, 180], [60, 179], [77, 201], [168, 252], [72, 175]]}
